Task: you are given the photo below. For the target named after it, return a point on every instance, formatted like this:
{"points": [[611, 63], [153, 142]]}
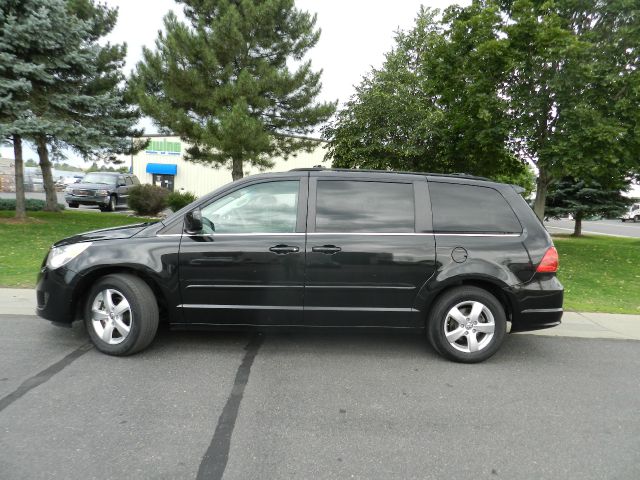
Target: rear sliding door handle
{"points": [[284, 249], [326, 249]]}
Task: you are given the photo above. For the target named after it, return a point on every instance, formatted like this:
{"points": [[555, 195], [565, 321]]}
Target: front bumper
{"points": [[54, 295], [87, 199], [536, 304]]}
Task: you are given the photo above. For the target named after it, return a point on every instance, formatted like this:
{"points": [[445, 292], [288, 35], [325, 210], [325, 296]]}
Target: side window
{"points": [[135, 180], [128, 180], [261, 208], [120, 181], [459, 208], [360, 206]]}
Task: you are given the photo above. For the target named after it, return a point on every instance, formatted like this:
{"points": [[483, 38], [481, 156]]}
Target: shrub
{"points": [[178, 200], [31, 204], [147, 199]]}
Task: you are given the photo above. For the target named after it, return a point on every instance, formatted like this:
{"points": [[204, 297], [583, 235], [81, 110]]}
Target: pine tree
{"points": [[17, 34], [584, 199], [222, 81], [75, 95]]}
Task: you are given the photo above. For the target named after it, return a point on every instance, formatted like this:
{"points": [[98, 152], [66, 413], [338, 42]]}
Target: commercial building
{"points": [[162, 163]]}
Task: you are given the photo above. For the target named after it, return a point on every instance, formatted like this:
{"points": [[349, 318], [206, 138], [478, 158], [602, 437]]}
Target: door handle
{"points": [[284, 249], [326, 249]]}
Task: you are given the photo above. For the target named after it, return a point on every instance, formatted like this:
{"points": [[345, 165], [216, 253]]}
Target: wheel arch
{"points": [[492, 286], [87, 281]]}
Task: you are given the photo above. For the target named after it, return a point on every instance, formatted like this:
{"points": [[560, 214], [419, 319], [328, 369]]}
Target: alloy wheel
{"points": [[469, 326], [111, 316]]}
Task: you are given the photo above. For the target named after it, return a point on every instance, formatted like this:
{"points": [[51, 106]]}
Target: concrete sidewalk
{"points": [[18, 301]]}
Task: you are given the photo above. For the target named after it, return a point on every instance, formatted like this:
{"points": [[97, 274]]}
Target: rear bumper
{"points": [[536, 304]]}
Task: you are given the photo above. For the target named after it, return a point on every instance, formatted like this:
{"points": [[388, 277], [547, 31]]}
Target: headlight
{"points": [[102, 193], [68, 190], [58, 256]]}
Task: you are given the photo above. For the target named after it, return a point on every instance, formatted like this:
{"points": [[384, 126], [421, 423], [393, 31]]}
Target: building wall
{"points": [[202, 179]]}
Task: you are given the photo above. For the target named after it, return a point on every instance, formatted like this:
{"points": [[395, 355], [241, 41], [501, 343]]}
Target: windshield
{"points": [[96, 177]]}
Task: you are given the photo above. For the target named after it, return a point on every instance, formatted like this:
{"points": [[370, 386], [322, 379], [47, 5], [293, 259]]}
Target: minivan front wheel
{"points": [[467, 324], [121, 314]]}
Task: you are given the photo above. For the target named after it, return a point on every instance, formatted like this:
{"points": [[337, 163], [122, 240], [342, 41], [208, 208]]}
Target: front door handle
{"points": [[284, 249], [326, 249]]}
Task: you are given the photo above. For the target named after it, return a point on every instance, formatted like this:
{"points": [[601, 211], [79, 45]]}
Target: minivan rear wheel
{"points": [[467, 324], [121, 314]]}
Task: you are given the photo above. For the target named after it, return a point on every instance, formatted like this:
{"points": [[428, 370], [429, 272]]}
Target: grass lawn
{"points": [[23, 246], [600, 273]]}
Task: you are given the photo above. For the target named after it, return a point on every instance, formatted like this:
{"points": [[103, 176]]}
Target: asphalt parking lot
{"points": [[314, 404]]}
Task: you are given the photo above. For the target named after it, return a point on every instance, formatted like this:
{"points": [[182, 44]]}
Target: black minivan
{"points": [[462, 257]]}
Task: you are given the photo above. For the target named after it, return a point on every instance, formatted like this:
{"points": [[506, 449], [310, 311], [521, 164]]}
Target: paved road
{"points": [[314, 404], [599, 227]]}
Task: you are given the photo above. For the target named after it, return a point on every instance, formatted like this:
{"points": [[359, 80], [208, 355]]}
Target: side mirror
{"points": [[193, 221]]}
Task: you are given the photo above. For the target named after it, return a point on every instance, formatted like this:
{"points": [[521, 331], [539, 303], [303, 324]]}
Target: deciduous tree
{"points": [[490, 87]]}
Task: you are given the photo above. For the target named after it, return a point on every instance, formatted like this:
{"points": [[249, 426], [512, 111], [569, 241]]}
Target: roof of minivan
{"points": [[360, 170]]}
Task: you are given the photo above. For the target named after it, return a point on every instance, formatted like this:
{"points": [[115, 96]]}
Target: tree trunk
{"points": [[236, 169], [21, 212], [51, 199], [542, 185], [577, 228]]}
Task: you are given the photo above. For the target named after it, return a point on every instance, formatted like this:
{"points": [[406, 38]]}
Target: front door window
{"points": [[262, 208]]}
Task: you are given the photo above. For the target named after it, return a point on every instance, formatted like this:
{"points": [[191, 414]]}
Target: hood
{"points": [[90, 186], [126, 231]]}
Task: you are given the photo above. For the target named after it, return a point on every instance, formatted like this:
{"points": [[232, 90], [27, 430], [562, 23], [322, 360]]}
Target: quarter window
{"points": [[262, 208], [360, 206], [459, 208]]}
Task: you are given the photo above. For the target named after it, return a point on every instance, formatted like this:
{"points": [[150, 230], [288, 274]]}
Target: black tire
{"points": [[142, 319], [73, 205], [111, 206], [439, 320]]}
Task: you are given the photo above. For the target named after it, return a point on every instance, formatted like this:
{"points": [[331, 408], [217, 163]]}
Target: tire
{"points": [[460, 302], [111, 206], [73, 205], [636, 219], [109, 333]]}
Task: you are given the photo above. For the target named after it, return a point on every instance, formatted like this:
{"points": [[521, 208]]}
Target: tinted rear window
{"points": [[461, 208], [359, 206]]}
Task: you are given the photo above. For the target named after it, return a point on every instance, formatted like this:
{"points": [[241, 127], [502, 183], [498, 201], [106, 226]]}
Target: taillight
{"points": [[549, 262]]}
